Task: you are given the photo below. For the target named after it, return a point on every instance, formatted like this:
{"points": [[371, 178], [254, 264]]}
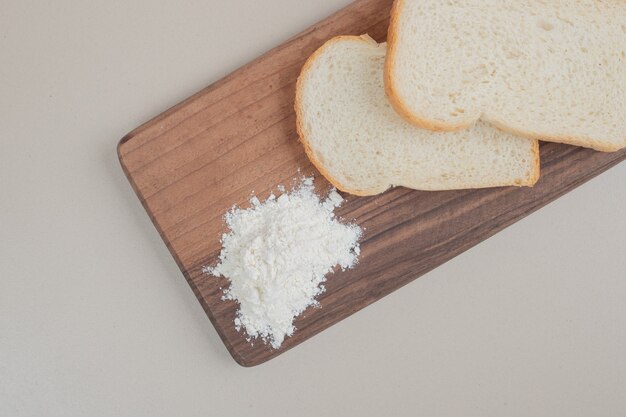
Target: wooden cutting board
{"points": [[194, 162]]}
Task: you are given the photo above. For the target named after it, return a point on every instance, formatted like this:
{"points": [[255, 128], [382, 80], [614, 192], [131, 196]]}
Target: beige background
{"points": [[96, 320]]}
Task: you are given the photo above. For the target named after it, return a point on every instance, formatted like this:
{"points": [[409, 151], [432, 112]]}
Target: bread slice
{"points": [[357, 141], [552, 70]]}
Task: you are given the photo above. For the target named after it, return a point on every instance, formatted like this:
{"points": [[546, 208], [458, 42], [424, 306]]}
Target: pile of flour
{"points": [[276, 256]]}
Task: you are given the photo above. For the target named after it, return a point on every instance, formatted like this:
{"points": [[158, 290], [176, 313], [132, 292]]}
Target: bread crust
{"points": [[529, 181], [536, 174], [438, 126]]}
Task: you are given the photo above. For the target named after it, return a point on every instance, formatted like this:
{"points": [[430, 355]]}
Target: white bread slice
{"points": [[554, 70], [356, 140]]}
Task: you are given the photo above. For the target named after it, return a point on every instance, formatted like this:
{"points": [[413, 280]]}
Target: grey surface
{"points": [[96, 319]]}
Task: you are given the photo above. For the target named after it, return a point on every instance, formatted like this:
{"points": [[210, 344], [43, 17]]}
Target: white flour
{"points": [[276, 256]]}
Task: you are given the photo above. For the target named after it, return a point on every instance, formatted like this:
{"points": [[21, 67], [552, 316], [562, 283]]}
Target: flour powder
{"points": [[276, 256]]}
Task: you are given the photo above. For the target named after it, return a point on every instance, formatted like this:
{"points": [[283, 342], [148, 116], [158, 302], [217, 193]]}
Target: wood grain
{"points": [[192, 163]]}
